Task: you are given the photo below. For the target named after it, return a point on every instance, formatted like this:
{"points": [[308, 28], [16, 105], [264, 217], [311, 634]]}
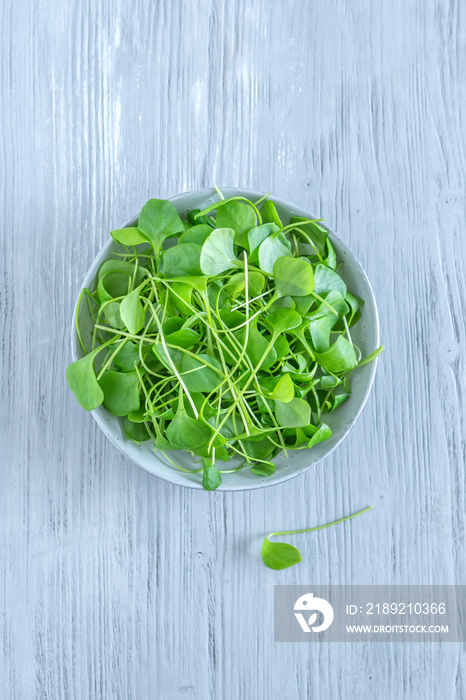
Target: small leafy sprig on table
{"points": [[232, 343], [280, 555]]}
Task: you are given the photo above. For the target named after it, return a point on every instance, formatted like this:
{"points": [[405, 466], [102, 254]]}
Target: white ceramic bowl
{"points": [[365, 334]]}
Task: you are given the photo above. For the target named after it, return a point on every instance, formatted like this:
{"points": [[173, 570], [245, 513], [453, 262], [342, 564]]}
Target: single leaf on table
{"points": [[218, 253], [128, 236], [271, 249], [238, 216], [132, 311], [121, 392], [182, 260], [279, 555], [326, 280], [159, 220], [340, 357], [294, 414], [269, 214], [198, 375]]}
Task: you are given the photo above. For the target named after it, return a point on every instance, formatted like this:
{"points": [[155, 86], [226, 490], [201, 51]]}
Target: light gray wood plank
{"points": [[114, 584]]}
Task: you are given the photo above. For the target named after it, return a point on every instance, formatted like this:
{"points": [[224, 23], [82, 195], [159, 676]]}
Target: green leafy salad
{"points": [[227, 334]]}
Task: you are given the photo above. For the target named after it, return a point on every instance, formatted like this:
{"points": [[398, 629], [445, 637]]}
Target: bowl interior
{"points": [[365, 334]]}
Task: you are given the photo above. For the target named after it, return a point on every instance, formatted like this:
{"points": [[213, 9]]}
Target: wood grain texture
{"points": [[114, 584]]}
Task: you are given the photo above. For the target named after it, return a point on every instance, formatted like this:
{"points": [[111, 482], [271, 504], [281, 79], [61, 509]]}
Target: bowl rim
{"points": [[203, 193]]}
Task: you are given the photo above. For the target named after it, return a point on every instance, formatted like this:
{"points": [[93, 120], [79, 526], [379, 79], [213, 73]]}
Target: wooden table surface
{"points": [[114, 584]]}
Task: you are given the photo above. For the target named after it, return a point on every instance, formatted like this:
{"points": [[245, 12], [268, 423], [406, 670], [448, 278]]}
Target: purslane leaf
{"points": [[257, 235], [271, 249], [323, 320], [218, 254], [279, 555], [128, 236], [211, 478], [326, 280], [294, 414], [132, 311], [159, 220], [83, 383], [238, 216], [182, 260], [340, 357], [202, 373], [121, 392], [293, 277], [270, 215]]}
